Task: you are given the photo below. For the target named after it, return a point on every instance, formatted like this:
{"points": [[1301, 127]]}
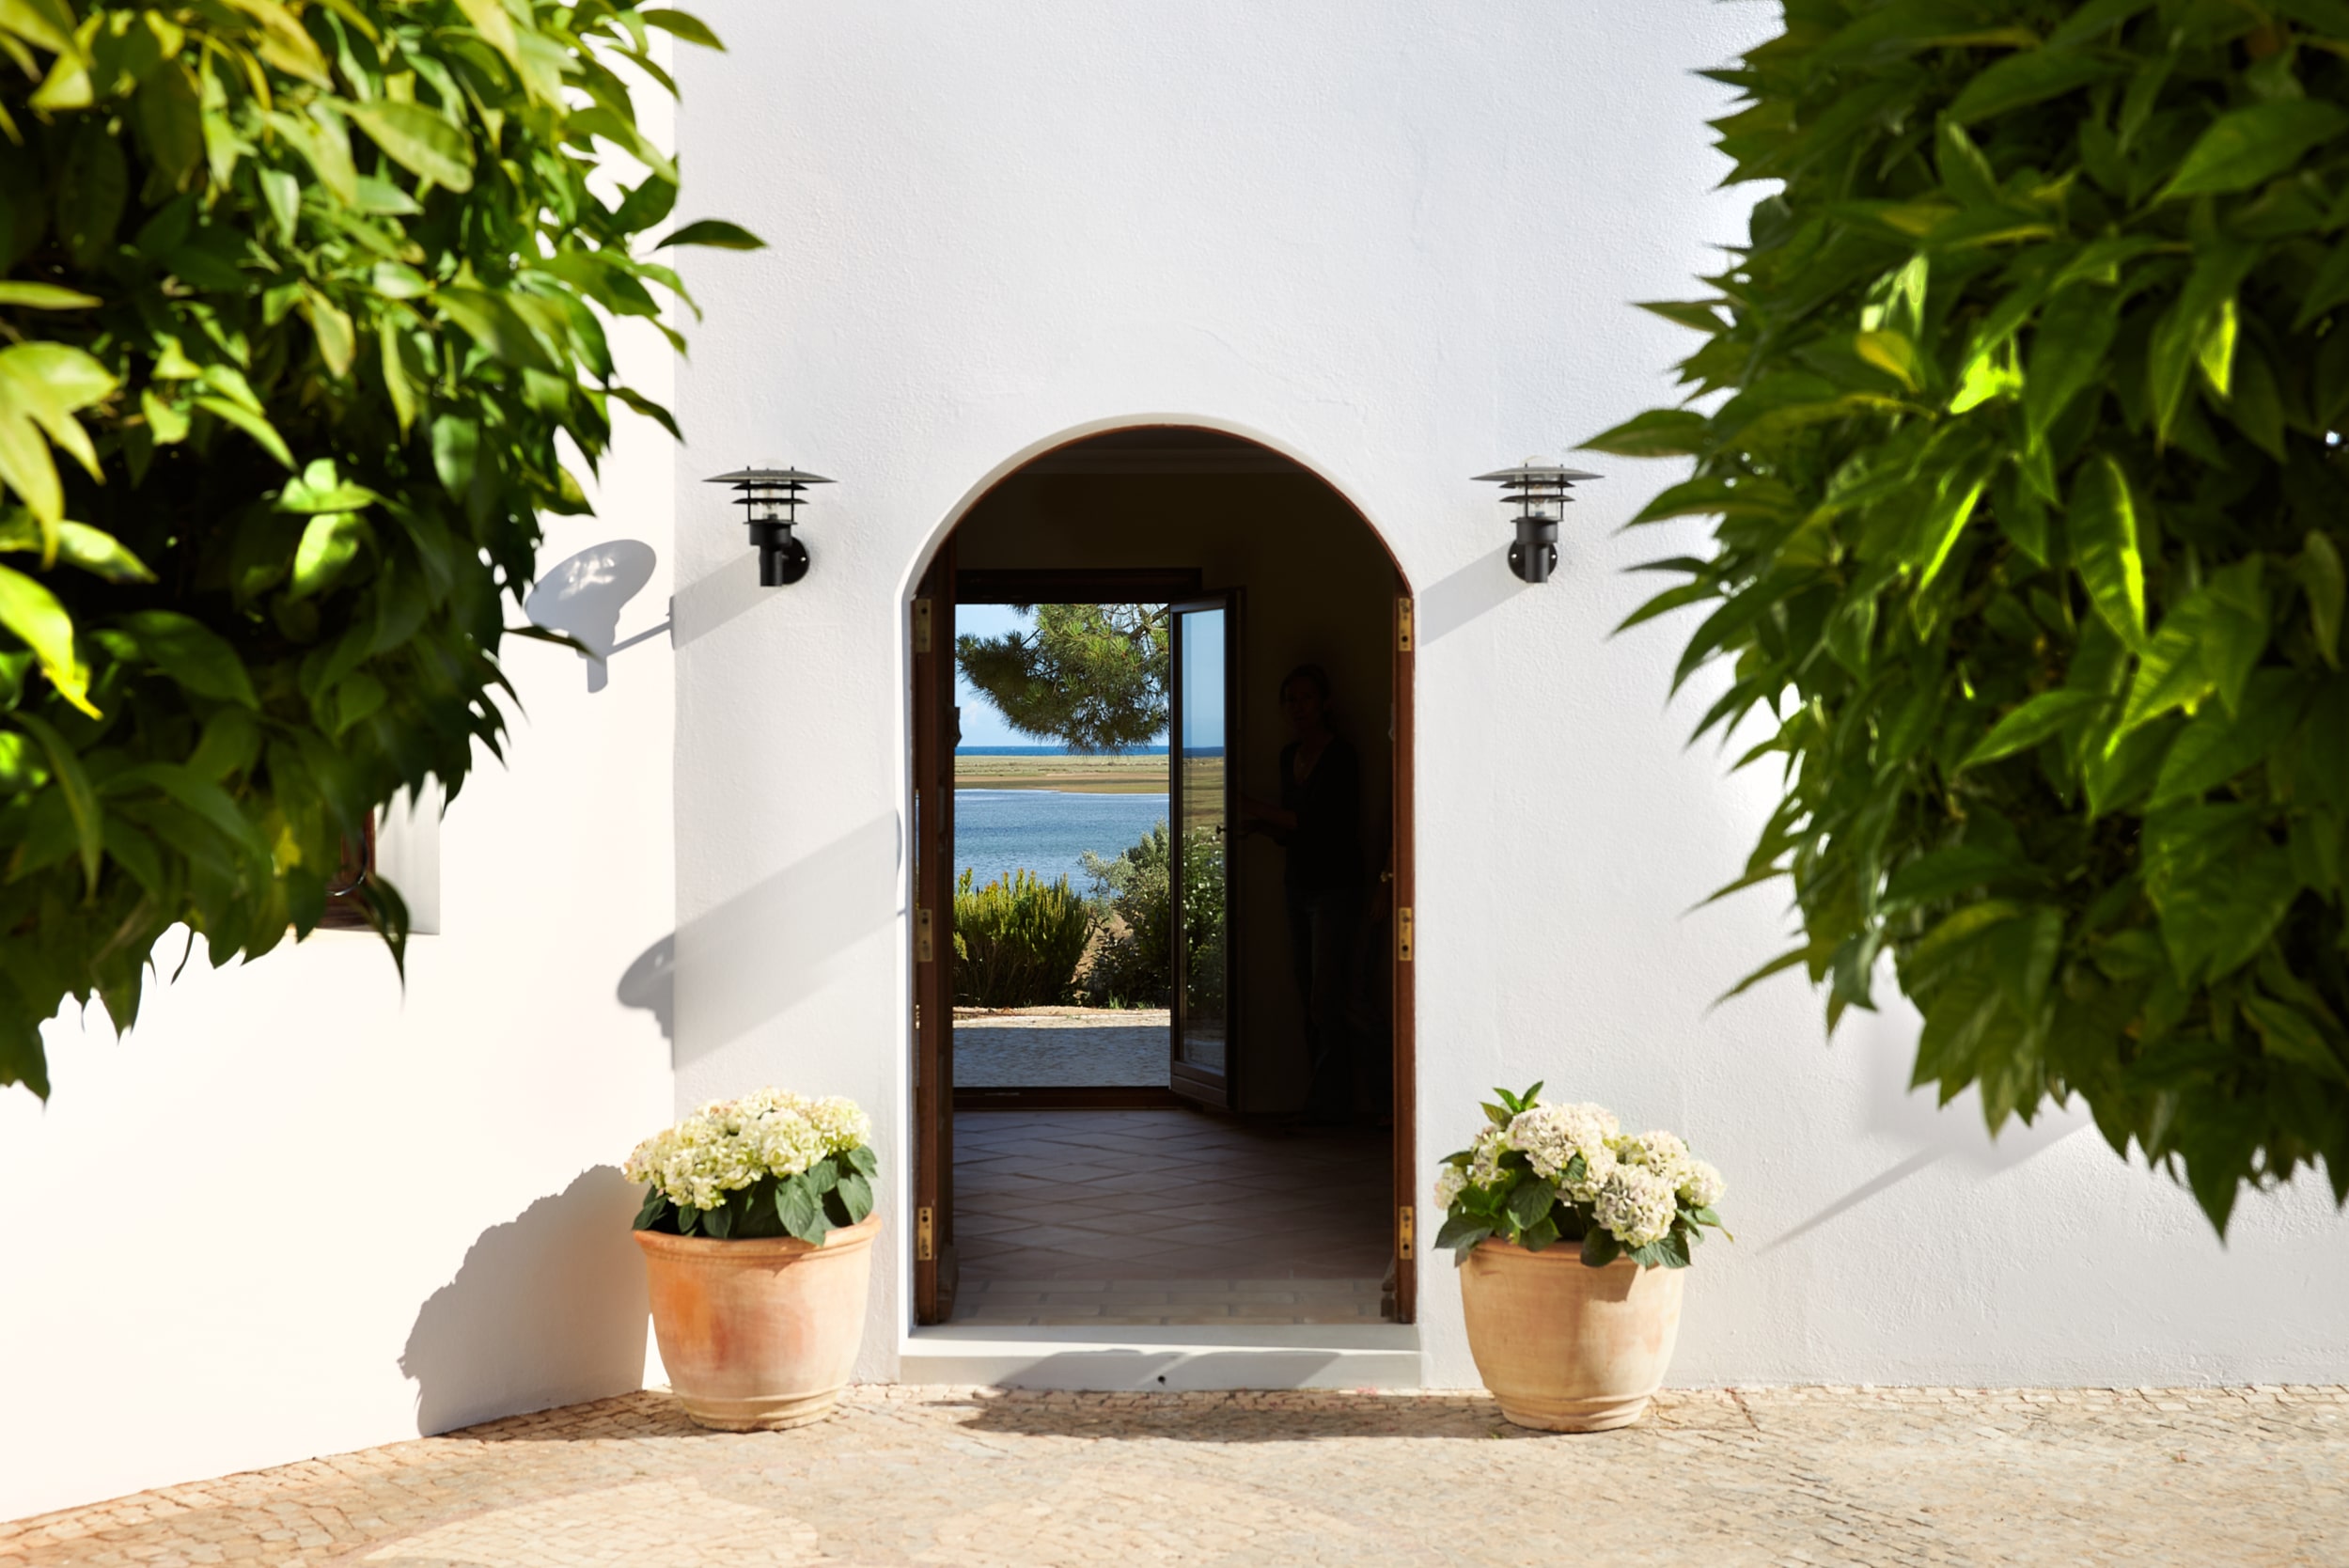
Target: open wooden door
{"points": [[937, 727], [1402, 999], [1203, 730]]}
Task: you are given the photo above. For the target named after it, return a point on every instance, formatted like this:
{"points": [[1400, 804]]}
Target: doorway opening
{"points": [[1224, 1137]]}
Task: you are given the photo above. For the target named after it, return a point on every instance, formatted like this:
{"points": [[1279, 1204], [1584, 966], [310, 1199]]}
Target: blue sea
{"points": [[1046, 831]]}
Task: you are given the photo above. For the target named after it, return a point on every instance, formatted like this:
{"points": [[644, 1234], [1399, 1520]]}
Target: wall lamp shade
{"points": [[1539, 492], [771, 500]]}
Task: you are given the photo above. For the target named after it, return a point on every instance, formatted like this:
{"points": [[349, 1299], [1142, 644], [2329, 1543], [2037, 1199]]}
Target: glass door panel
{"points": [[1202, 728]]}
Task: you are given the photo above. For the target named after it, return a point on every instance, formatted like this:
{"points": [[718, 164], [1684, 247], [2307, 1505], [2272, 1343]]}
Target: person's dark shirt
{"points": [[1326, 846]]}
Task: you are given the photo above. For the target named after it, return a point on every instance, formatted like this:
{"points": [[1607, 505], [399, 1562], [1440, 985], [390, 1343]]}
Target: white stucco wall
{"points": [[1395, 239], [297, 1210]]}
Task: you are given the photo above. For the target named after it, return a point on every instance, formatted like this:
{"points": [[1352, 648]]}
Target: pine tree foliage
{"points": [[1090, 677], [2021, 419]]}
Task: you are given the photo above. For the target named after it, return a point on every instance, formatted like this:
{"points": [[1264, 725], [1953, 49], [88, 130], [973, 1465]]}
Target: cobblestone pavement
{"points": [[2245, 1478], [1060, 1047]]}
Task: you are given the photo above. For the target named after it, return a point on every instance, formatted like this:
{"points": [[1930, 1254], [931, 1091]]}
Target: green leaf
{"points": [[2221, 886], [2032, 76], [192, 655], [2104, 531], [681, 25], [1529, 1203], [2319, 571], [330, 544], [1462, 1232], [2217, 746], [2249, 146], [1600, 1247], [863, 1161], [1658, 432], [855, 1192], [252, 424], [1697, 315], [99, 554], [30, 611], [655, 1205], [800, 1207], [44, 296], [2047, 714], [2069, 352], [81, 800], [42, 386], [419, 140], [2290, 1035], [716, 233]]}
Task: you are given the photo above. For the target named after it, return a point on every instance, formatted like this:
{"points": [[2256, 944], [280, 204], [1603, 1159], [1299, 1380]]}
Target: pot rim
{"points": [[838, 1237], [1562, 1251]]}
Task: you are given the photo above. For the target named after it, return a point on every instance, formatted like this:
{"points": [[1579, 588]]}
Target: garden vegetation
{"points": [[2020, 415], [301, 304]]}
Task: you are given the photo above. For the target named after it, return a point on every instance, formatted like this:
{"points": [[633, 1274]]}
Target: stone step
{"points": [[1189, 1357]]}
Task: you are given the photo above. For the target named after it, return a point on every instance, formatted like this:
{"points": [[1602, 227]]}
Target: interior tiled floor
{"points": [[1166, 1216]]}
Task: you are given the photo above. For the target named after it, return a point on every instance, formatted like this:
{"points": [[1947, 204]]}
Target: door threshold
{"points": [[1165, 1359]]}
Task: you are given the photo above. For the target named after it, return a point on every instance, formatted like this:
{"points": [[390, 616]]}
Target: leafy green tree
{"points": [[1094, 677], [2020, 416], [310, 296]]}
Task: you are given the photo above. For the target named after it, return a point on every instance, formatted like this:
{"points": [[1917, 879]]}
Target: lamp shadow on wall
{"points": [[1478, 589], [582, 596], [768, 947], [547, 1309]]}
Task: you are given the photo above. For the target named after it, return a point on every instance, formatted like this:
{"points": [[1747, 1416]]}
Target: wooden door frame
{"points": [[1047, 587], [929, 635]]}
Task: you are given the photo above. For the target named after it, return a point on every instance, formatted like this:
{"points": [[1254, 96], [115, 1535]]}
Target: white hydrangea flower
{"points": [[785, 1141], [841, 1121], [730, 1144], [1485, 1167], [1701, 1185], [1551, 1136], [1449, 1183], [1666, 1154], [1636, 1204]]}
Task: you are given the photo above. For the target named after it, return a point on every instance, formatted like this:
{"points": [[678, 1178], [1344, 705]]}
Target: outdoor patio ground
{"points": [[980, 1479]]}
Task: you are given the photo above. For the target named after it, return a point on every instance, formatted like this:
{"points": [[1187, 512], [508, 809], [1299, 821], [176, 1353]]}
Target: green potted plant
{"points": [[757, 1230], [1570, 1236]]}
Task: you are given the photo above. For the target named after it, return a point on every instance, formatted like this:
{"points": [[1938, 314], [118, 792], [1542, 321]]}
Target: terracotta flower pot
{"points": [[1565, 1347], [761, 1334]]}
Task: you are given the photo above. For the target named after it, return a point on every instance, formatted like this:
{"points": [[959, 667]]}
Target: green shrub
{"points": [[1133, 967], [1017, 942], [307, 298], [2022, 414]]}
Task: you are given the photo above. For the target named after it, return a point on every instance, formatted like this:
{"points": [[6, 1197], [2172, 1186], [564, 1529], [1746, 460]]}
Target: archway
{"points": [[1243, 543]]}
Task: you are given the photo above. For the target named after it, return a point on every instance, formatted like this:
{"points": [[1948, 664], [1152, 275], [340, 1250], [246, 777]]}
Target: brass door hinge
{"points": [[1402, 1233], [925, 1237], [1403, 935], [921, 625], [1403, 625], [923, 947]]}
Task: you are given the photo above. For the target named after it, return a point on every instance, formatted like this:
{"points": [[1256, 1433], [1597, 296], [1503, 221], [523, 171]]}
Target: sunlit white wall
{"points": [[1397, 241]]}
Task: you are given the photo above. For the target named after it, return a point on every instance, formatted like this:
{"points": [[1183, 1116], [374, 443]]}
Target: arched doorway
{"points": [[1259, 567]]}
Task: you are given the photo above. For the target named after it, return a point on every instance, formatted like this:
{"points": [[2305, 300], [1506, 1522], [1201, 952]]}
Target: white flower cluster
{"points": [[1634, 1186], [1637, 1203], [728, 1144], [1550, 1136]]}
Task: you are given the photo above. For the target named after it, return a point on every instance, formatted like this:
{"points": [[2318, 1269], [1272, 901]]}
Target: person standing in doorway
{"points": [[1319, 822]]}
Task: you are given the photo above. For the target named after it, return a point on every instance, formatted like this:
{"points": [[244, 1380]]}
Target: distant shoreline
{"points": [[1007, 768]]}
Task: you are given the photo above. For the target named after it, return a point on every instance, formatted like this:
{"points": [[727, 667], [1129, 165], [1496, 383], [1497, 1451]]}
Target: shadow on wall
{"points": [[582, 597], [548, 1309], [651, 984]]}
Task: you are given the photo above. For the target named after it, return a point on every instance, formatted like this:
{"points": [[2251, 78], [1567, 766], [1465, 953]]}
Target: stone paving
{"points": [[2247, 1478], [1060, 1047]]}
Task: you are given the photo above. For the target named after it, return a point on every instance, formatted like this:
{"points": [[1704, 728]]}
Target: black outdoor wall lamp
{"points": [[1538, 490], [771, 500]]}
